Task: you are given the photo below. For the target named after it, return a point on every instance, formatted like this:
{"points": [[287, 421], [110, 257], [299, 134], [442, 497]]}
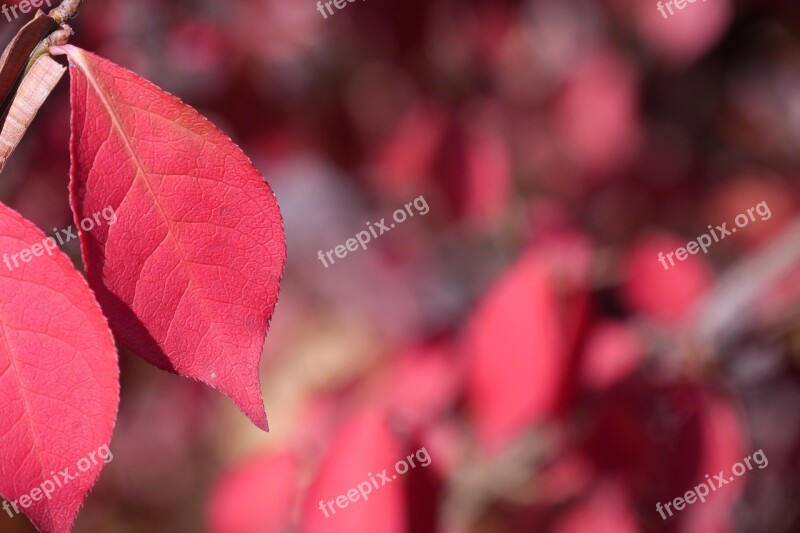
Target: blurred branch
{"points": [[482, 480], [731, 305]]}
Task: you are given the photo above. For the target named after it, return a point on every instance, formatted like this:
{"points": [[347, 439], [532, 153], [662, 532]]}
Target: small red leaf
{"points": [[59, 378], [189, 274], [579, 118], [424, 382], [667, 296], [613, 351], [682, 35]]}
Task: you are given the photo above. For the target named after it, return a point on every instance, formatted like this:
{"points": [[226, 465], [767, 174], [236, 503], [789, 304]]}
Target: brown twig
{"points": [[26, 47], [16, 56], [68, 9]]}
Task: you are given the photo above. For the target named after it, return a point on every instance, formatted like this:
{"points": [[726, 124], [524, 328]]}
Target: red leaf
{"points": [[404, 162], [489, 173], [769, 200], [607, 509], [723, 446], [189, 274], [674, 432], [360, 452], [664, 295], [256, 497], [424, 382], [579, 118], [613, 351], [682, 35], [59, 378], [516, 355]]}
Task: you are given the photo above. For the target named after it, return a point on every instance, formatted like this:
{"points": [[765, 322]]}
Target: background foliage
{"points": [[561, 145]]}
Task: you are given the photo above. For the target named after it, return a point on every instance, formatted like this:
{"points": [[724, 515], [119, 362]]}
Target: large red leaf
{"points": [[189, 274], [516, 353], [352, 474], [59, 378]]}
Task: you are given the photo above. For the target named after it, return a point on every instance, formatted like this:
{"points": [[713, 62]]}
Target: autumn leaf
{"points": [[59, 378], [667, 296], [256, 496], [608, 508], [360, 466], [516, 353], [423, 383], [189, 273]]}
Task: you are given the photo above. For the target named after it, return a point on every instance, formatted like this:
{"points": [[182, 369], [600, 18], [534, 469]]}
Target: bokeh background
{"points": [[523, 331]]}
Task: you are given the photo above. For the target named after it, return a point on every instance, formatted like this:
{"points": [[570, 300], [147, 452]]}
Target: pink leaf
{"points": [[682, 35], [424, 382], [579, 118], [364, 449], [255, 497], [59, 378], [489, 173], [189, 274], [667, 296], [607, 509], [516, 356], [613, 351]]}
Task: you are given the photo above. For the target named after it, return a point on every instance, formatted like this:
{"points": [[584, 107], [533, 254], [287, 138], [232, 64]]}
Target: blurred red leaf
{"points": [[59, 378], [649, 435], [661, 439], [665, 295], [600, 137], [189, 274], [404, 162], [769, 200], [613, 351], [424, 382], [723, 446], [687, 33], [362, 449], [489, 172], [607, 509], [256, 496], [515, 351]]}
